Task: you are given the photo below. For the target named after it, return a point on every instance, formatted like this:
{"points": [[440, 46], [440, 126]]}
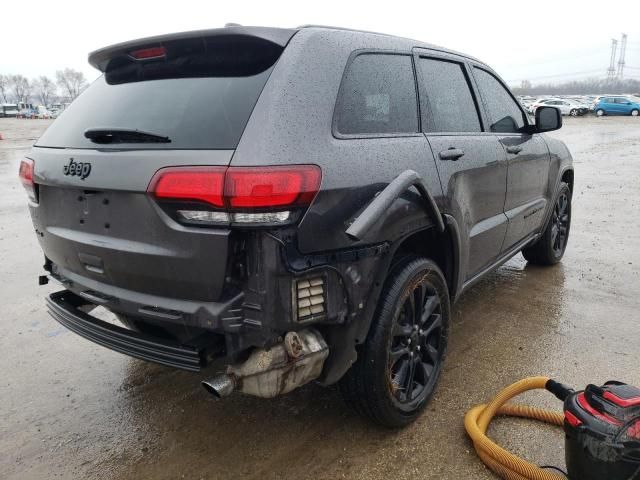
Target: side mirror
{"points": [[548, 119]]}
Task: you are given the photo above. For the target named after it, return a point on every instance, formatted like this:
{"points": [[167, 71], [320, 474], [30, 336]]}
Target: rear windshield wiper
{"points": [[123, 135]]}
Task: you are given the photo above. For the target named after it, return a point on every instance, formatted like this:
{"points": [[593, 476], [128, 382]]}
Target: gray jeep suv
{"points": [[278, 206]]}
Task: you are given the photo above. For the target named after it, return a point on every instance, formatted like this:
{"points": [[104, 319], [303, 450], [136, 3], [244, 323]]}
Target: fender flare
{"points": [[382, 201]]}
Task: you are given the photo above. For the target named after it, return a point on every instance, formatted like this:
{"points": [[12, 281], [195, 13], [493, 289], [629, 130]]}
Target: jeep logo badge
{"points": [[77, 169]]}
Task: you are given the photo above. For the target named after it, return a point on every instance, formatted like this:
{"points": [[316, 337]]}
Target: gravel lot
{"points": [[72, 409]]}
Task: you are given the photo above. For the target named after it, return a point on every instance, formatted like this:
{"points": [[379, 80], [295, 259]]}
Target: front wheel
{"points": [[550, 247], [399, 364], [634, 113], [573, 112]]}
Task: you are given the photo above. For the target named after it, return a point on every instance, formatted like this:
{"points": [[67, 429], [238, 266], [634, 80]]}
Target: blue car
{"points": [[617, 106]]}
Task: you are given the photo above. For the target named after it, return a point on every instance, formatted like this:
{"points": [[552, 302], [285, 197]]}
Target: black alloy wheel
{"points": [[400, 362], [549, 248], [415, 352]]}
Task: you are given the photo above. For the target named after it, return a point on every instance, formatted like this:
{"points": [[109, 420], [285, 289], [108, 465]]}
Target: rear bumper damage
{"points": [[67, 308], [277, 294]]}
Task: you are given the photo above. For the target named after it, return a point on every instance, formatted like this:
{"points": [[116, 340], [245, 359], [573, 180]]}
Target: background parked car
{"points": [[566, 107], [617, 106]]}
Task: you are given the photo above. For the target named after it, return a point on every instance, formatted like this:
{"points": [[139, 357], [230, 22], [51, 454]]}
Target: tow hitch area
{"points": [[268, 373]]}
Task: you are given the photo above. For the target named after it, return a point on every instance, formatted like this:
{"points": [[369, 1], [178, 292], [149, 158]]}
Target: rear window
{"points": [[199, 93], [378, 96], [195, 113]]}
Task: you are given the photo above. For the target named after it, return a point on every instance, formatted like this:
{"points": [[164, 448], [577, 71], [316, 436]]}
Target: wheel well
{"points": [[434, 245], [567, 177]]}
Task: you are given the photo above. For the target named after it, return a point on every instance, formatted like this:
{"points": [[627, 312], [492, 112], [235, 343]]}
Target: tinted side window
{"points": [[450, 100], [504, 113], [378, 95]]}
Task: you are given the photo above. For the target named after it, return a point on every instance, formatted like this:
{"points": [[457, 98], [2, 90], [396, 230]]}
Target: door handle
{"points": [[451, 154], [515, 149]]}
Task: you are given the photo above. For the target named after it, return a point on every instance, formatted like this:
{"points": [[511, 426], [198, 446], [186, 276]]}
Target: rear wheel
{"points": [[573, 112], [549, 248], [400, 363], [600, 112]]}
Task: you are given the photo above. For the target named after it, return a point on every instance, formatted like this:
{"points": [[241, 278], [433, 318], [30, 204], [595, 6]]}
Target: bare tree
{"points": [[4, 86], [45, 89], [590, 86], [71, 81], [21, 88]]}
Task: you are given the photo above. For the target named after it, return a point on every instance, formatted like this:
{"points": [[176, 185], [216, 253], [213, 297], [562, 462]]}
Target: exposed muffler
{"points": [[278, 370]]}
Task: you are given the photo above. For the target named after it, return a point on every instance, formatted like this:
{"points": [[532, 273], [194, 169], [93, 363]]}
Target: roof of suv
{"points": [[280, 36]]}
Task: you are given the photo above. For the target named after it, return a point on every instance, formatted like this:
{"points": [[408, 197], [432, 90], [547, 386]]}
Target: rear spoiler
{"points": [[277, 36]]}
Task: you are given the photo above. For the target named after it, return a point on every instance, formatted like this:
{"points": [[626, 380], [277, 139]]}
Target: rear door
{"points": [[471, 164], [94, 218], [609, 105], [527, 155]]}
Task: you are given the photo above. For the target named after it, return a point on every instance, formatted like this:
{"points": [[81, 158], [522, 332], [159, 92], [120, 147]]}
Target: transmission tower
{"points": [[623, 49], [611, 71]]}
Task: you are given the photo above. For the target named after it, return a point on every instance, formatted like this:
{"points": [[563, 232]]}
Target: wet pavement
{"points": [[72, 409]]}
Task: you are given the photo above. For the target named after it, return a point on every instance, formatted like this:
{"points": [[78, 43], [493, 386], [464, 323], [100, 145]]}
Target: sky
{"points": [[542, 41]]}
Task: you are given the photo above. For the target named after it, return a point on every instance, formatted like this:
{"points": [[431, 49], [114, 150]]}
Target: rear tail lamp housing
{"points": [[25, 173], [238, 195]]}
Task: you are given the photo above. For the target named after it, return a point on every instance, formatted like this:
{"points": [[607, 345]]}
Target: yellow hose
{"points": [[502, 462]]}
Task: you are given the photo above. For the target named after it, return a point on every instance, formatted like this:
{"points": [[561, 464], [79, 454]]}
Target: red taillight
{"points": [[146, 53], [244, 189], [26, 177], [205, 184], [271, 187]]}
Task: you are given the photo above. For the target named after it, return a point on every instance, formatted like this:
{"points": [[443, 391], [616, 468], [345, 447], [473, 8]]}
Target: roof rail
{"points": [[332, 27]]}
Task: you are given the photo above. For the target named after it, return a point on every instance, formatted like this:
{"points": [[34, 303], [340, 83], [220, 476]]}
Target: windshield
{"points": [[195, 113]]}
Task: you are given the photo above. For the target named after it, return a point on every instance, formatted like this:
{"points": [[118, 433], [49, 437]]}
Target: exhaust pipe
{"points": [[220, 385], [267, 373]]}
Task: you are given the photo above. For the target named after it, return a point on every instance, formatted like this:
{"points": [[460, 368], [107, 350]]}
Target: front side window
{"points": [[378, 96], [504, 113], [451, 103]]}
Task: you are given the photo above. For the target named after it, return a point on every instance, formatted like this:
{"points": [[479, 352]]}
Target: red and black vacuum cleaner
{"points": [[602, 430], [601, 424]]}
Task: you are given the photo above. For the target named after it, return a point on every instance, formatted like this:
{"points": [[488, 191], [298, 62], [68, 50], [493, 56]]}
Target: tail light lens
{"points": [[243, 195], [205, 184], [271, 187], [26, 177]]}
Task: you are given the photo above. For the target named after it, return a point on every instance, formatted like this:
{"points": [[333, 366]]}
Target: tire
{"points": [[376, 385], [550, 247], [634, 113], [600, 112], [573, 112]]}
